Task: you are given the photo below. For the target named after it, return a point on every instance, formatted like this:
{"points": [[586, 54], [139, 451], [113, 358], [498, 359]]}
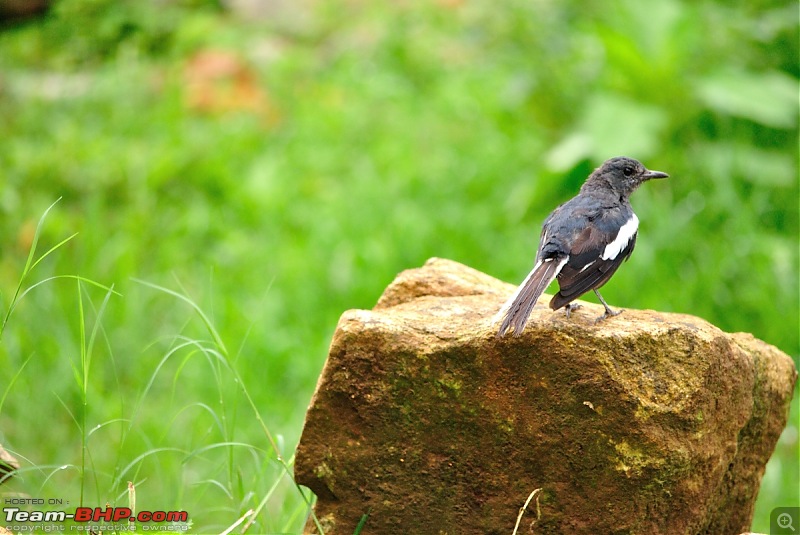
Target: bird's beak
{"points": [[654, 174]]}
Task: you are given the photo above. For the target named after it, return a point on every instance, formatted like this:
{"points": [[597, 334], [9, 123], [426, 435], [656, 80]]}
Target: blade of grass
{"points": [[263, 502], [146, 454], [206, 321], [524, 508], [46, 254], [362, 522], [225, 358], [210, 447], [84, 387], [29, 264], [12, 381], [241, 519]]}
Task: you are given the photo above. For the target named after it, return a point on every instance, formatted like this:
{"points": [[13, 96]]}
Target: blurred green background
{"points": [[280, 162]]}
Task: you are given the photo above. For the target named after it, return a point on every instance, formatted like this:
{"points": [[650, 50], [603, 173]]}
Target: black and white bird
{"points": [[583, 242]]}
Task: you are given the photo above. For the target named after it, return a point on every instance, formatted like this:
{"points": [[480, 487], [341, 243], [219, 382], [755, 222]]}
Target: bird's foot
{"points": [[609, 314], [570, 307]]}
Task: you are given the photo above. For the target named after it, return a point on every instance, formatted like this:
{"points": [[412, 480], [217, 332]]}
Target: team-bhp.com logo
{"points": [[117, 518], [119, 514]]}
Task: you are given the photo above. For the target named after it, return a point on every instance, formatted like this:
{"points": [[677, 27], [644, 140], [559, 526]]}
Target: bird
{"points": [[583, 242]]}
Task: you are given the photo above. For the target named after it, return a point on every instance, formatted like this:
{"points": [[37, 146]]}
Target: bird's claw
{"points": [[570, 307], [609, 314]]}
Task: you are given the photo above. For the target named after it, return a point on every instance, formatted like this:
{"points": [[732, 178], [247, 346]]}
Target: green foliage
{"points": [[361, 140]]}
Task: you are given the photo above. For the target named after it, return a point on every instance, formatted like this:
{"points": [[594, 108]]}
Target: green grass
{"points": [[383, 135], [224, 471]]}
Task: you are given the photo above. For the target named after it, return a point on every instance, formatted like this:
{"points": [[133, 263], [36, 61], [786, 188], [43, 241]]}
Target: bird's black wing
{"points": [[582, 244], [587, 268]]}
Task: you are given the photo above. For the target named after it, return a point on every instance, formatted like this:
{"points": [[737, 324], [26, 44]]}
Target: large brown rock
{"points": [[644, 423]]}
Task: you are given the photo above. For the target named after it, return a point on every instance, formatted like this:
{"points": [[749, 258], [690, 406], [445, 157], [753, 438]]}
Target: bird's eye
{"points": [[628, 171]]}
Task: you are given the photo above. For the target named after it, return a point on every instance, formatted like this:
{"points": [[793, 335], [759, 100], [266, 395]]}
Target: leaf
{"points": [[766, 168], [768, 98], [572, 149], [611, 126]]}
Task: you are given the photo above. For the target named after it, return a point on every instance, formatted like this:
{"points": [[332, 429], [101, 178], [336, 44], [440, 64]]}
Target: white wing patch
{"points": [[624, 236]]}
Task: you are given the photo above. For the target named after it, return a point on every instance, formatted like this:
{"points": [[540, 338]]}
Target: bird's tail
{"points": [[516, 310]]}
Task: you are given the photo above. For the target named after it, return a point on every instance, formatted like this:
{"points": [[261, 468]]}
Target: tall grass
{"points": [[364, 138], [107, 472]]}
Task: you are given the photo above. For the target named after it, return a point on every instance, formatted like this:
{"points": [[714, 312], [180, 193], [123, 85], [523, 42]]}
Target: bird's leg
{"points": [[608, 313], [570, 307]]}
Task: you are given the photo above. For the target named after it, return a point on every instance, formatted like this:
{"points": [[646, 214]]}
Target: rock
{"points": [[429, 424], [8, 465]]}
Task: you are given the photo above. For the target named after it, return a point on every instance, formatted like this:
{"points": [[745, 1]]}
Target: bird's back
{"points": [[583, 241], [583, 221]]}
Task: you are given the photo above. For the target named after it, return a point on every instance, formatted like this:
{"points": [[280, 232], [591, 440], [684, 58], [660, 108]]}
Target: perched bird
{"points": [[583, 242]]}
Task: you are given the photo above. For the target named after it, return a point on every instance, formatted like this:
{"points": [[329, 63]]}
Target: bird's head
{"points": [[622, 175]]}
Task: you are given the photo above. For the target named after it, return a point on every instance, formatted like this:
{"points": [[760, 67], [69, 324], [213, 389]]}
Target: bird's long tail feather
{"points": [[517, 309]]}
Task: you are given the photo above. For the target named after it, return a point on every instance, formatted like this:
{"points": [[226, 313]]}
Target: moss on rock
{"points": [[645, 423]]}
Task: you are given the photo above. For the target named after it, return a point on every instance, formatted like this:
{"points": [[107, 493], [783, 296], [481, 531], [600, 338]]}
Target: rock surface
{"points": [[644, 423], [8, 465]]}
